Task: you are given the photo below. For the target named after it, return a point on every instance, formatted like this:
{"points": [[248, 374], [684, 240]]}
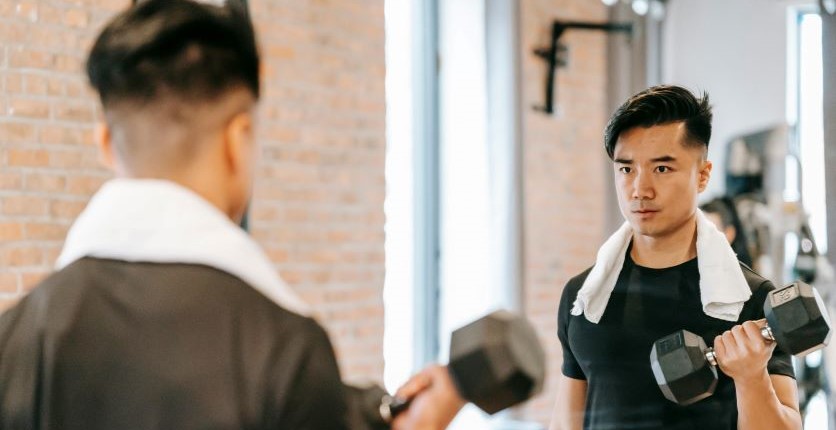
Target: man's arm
{"points": [[763, 401], [771, 402], [571, 401]]}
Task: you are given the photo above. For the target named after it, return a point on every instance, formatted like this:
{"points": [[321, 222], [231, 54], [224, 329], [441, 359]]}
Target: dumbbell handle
{"points": [[766, 332], [391, 406]]}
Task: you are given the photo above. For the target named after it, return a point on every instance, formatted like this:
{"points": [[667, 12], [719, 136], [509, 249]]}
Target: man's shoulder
{"points": [[574, 284], [580, 278], [756, 282], [149, 283]]}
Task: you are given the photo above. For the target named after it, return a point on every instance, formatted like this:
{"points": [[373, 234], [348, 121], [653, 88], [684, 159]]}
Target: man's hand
{"points": [[435, 401], [742, 352]]}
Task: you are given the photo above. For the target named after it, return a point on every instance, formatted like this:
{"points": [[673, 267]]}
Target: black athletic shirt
{"points": [[614, 355], [106, 344]]}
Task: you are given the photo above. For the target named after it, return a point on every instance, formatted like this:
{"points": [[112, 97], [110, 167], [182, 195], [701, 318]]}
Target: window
{"points": [[811, 125]]}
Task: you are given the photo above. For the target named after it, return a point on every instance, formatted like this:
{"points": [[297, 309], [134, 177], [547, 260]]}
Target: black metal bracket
{"points": [[555, 54]]}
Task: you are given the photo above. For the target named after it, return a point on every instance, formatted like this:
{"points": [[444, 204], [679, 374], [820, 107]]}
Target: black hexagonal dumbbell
{"points": [[686, 369], [495, 362]]}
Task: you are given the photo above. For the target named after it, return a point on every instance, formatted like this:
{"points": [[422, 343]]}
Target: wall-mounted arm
{"points": [[554, 54]]}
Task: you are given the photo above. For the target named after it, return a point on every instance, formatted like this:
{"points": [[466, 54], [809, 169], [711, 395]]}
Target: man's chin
{"points": [[644, 228]]}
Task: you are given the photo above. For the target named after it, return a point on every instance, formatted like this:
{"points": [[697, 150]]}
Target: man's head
{"points": [[658, 141], [721, 216], [178, 82]]}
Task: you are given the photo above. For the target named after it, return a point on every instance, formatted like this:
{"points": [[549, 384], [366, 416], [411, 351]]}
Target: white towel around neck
{"points": [[723, 288], [156, 221]]}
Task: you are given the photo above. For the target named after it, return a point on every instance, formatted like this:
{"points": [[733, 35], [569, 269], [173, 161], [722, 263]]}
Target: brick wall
{"points": [[318, 207], [49, 164], [565, 169], [319, 197]]}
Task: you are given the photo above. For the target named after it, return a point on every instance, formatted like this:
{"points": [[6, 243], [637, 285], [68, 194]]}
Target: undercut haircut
{"points": [[170, 74], [174, 48], [662, 105]]}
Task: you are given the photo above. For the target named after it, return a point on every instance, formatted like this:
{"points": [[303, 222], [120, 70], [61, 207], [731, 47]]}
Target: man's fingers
{"points": [[415, 385], [753, 330]]}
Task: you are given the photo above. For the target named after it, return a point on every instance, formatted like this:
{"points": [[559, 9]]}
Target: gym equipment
{"points": [[495, 362], [686, 369]]}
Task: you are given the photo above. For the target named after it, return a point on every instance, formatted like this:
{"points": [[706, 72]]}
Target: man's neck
{"points": [[667, 251]]}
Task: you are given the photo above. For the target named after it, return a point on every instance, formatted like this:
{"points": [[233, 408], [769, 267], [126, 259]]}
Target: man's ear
{"points": [[238, 141], [704, 174], [104, 142]]}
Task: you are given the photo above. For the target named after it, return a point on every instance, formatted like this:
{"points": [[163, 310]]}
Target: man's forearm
{"points": [[758, 407]]}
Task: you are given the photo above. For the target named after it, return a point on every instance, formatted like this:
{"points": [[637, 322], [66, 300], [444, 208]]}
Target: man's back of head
{"points": [[168, 73]]}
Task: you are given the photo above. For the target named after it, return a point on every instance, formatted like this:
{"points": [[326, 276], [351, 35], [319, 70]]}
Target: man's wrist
{"points": [[754, 383]]}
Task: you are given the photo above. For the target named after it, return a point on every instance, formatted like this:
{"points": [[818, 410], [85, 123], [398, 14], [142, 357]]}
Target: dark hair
{"points": [[725, 208], [192, 52], [661, 105], [721, 208]]}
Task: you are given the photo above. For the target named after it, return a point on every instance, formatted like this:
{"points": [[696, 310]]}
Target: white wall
{"points": [[736, 51]]}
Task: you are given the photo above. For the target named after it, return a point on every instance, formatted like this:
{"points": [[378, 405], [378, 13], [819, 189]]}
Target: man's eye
{"points": [[625, 169], [663, 169]]}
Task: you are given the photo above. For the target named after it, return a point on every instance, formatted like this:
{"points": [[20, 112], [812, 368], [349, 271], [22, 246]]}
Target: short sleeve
{"points": [[781, 362], [315, 398], [570, 367]]}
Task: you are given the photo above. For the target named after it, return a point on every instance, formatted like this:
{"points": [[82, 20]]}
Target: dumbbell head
{"points": [[497, 361], [681, 368], [798, 318]]}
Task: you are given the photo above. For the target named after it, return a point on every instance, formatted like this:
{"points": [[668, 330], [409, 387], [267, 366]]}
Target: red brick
{"points": [[77, 89], [84, 184], [28, 108], [31, 280], [7, 9], [49, 15], [74, 112], [44, 182], [30, 59], [13, 83], [12, 33], [20, 256], [36, 85], [27, 11], [24, 205], [64, 135], [45, 231], [27, 157], [10, 231], [10, 180], [66, 159], [76, 18], [55, 86], [8, 283], [51, 254], [68, 63], [16, 132], [66, 210]]}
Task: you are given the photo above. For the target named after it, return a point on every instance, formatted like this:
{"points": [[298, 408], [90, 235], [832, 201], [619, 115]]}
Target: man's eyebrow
{"points": [[664, 159]]}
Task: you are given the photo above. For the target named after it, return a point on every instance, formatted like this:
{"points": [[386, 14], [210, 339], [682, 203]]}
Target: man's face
{"points": [[658, 178]]}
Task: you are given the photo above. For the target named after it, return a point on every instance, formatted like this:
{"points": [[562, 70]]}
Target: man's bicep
{"points": [[786, 389], [570, 404]]}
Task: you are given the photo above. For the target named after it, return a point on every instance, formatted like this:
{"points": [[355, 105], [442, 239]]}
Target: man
{"points": [[666, 269], [164, 314], [722, 213]]}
